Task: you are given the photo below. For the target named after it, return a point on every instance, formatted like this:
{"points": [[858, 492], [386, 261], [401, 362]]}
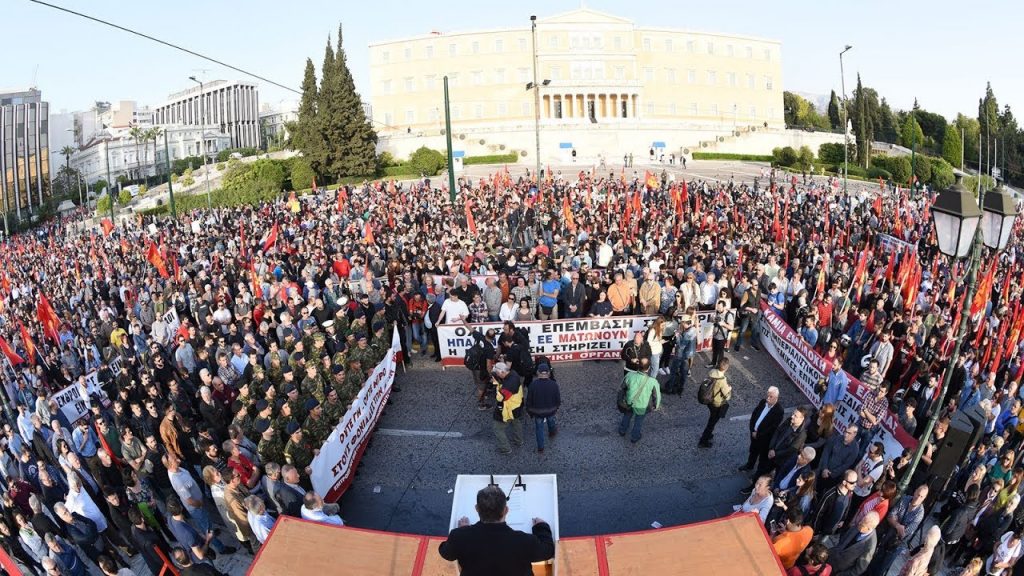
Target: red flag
{"points": [[271, 240], [342, 196], [177, 270], [257, 290], [628, 214], [878, 205], [567, 214], [5, 283], [107, 226], [30, 347], [154, 258], [470, 221], [650, 180], [984, 289], [48, 318], [10, 353], [368, 233]]}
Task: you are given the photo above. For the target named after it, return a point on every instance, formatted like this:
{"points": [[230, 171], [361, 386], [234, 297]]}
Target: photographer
{"points": [[722, 328], [637, 354]]}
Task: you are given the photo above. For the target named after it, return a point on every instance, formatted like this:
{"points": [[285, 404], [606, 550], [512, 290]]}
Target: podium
{"points": [[529, 496]]}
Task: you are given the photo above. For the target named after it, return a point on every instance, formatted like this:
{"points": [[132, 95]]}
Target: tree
{"points": [[923, 168], [305, 132], [103, 204], [834, 118], [970, 130], [805, 158], [886, 124], [124, 197], [899, 167], [153, 134], [988, 119], [359, 154], [911, 135], [951, 146], [427, 161], [137, 134], [942, 174], [98, 186], [865, 105], [187, 180], [801, 112]]}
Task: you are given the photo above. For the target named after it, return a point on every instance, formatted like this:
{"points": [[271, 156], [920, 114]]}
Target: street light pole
{"points": [[448, 141], [110, 187], [202, 140], [846, 131], [536, 100], [170, 186]]}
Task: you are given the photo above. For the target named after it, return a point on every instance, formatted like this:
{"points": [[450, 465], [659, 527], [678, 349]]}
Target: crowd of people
{"points": [[210, 417]]}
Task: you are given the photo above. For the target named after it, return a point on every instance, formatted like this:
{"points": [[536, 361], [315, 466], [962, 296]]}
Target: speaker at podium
{"points": [[528, 496]]}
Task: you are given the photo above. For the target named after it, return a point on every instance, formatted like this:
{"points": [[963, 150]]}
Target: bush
{"points": [[103, 204], [124, 197], [726, 156], [491, 159], [427, 161], [942, 174], [187, 179], [300, 174], [143, 189], [98, 186], [923, 168], [877, 172], [832, 152], [223, 155], [179, 166], [805, 158], [401, 170], [220, 166], [261, 178], [384, 160], [784, 156]]}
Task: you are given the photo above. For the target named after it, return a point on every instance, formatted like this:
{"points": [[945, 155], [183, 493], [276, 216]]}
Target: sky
{"points": [[936, 51]]}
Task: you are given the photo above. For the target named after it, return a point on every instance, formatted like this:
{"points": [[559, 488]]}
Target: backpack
{"points": [[474, 357], [704, 395]]}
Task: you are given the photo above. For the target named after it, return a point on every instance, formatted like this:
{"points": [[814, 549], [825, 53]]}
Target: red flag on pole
{"points": [[107, 226], [567, 214], [257, 290], [154, 258], [241, 239], [470, 222], [10, 353], [368, 233], [342, 196], [650, 180], [271, 240], [30, 347], [48, 318]]}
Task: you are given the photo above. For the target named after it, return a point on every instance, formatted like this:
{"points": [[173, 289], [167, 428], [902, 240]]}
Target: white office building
{"points": [[232, 107]]}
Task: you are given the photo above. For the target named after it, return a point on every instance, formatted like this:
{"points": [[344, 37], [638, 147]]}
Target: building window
{"points": [[691, 46], [409, 85], [672, 109], [499, 76], [524, 74], [670, 75], [620, 72], [499, 46], [752, 113], [668, 45], [452, 50], [477, 77], [475, 47], [713, 110], [430, 82], [407, 53], [553, 41], [624, 108], [768, 54], [711, 47], [385, 87], [750, 81], [712, 77], [522, 44], [429, 51], [649, 74], [729, 50], [647, 44], [692, 110], [617, 42], [650, 109], [558, 109], [750, 52], [502, 109], [410, 116], [556, 73], [768, 82], [385, 56], [691, 76], [732, 79]]}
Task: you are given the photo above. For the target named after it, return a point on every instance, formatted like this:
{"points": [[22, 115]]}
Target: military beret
{"points": [[298, 356], [378, 326], [286, 369], [360, 335], [262, 425], [311, 403], [262, 405], [292, 427], [281, 403], [337, 369], [290, 388]]}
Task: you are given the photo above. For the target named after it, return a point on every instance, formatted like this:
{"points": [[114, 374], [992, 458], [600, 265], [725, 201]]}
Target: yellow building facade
{"points": [[601, 76]]}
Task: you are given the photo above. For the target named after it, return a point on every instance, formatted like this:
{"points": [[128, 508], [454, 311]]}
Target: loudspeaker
{"points": [[965, 429]]}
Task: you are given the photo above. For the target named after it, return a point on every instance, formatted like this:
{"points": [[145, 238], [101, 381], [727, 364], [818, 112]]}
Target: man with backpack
{"points": [[543, 402], [638, 387], [715, 393], [479, 359]]}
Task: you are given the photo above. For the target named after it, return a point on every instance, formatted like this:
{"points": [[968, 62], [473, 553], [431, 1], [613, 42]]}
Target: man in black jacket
{"points": [[785, 443], [637, 354], [543, 403], [492, 548], [573, 297], [763, 422]]}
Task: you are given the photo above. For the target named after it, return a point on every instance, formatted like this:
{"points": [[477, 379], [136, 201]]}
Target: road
{"points": [[606, 484]]}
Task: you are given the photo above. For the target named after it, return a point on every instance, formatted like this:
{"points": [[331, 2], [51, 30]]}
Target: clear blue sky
{"points": [[941, 52]]}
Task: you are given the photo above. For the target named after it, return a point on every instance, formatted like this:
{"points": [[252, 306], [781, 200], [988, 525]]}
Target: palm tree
{"points": [[138, 134], [67, 152], [152, 134]]}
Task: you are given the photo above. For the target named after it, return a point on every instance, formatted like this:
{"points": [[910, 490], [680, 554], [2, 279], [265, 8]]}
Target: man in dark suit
{"points": [[852, 553], [492, 548], [763, 422], [786, 442], [573, 296]]}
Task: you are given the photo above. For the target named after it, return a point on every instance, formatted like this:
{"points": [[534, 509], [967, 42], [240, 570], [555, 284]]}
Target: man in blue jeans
{"points": [[639, 388], [543, 403]]}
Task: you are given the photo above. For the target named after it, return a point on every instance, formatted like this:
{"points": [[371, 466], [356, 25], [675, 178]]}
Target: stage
{"points": [[733, 546]]}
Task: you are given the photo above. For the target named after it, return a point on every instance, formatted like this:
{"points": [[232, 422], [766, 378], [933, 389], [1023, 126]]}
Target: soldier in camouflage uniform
{"points": [[270, 447], [354, 380], [284, 414], [380, 345], [338, 379], [288, 380], [298, 361], [362, 351], [333, 341], [242, 417], [316, 427], [333, 408], [324, 368], [276, 372], [312, 385], [262, 411], [295, 403], [298, 452]]}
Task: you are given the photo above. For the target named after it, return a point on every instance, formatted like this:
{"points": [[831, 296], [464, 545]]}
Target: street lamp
{"points": [[957, 217], [846, 132], [202, 139], [536, 100]]}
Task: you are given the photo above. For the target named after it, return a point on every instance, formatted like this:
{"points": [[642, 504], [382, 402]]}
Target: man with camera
{"points": [[722, 327]]}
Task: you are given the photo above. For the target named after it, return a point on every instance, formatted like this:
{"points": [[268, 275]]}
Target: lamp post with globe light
{"points": [[962, 225]]}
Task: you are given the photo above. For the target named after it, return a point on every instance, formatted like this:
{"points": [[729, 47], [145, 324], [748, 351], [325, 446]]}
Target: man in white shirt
{"points": [[453, 311], [313, 509], [709, 291], [25, 423]]}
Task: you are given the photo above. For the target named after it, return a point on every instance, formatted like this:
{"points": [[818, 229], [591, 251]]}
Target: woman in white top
{"points": [[655, 341], [508, 309], [760, 500], [1007, 552]]}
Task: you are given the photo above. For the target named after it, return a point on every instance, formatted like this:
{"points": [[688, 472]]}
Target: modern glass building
{"points": [[24, 152]]}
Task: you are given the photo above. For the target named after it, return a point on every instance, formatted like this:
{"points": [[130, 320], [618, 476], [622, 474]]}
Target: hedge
{"points": [[509, 158], [725, 156], [401, 170]]}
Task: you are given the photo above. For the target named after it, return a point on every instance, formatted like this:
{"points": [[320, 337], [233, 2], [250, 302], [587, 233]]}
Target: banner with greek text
{"points": [[806, 368], [335, 465], [72, 403], [568, 340], [894, 244]]}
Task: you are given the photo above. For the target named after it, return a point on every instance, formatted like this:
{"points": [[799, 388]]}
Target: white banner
{"points": [[171, 319], [894, 244], [335, 465], [72, 402], [806, 368], [566, 340]]}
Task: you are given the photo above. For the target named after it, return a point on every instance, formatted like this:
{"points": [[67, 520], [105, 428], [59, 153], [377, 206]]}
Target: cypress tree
{"points": [[358, 151], [329, 124], [834, 118], [305, 132]]}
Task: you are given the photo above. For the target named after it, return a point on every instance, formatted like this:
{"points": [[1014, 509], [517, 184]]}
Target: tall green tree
{"points": [[305, 131], [988, 119], [886, 123], [137, 133], [329, 116], [834, 118], [951, 146], [359, 152], [911, 135], [864, 107], [970, 130]]}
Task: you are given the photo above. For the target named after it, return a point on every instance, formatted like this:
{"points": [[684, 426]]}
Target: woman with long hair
{"points": [[656, 340], [819, 434]]}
